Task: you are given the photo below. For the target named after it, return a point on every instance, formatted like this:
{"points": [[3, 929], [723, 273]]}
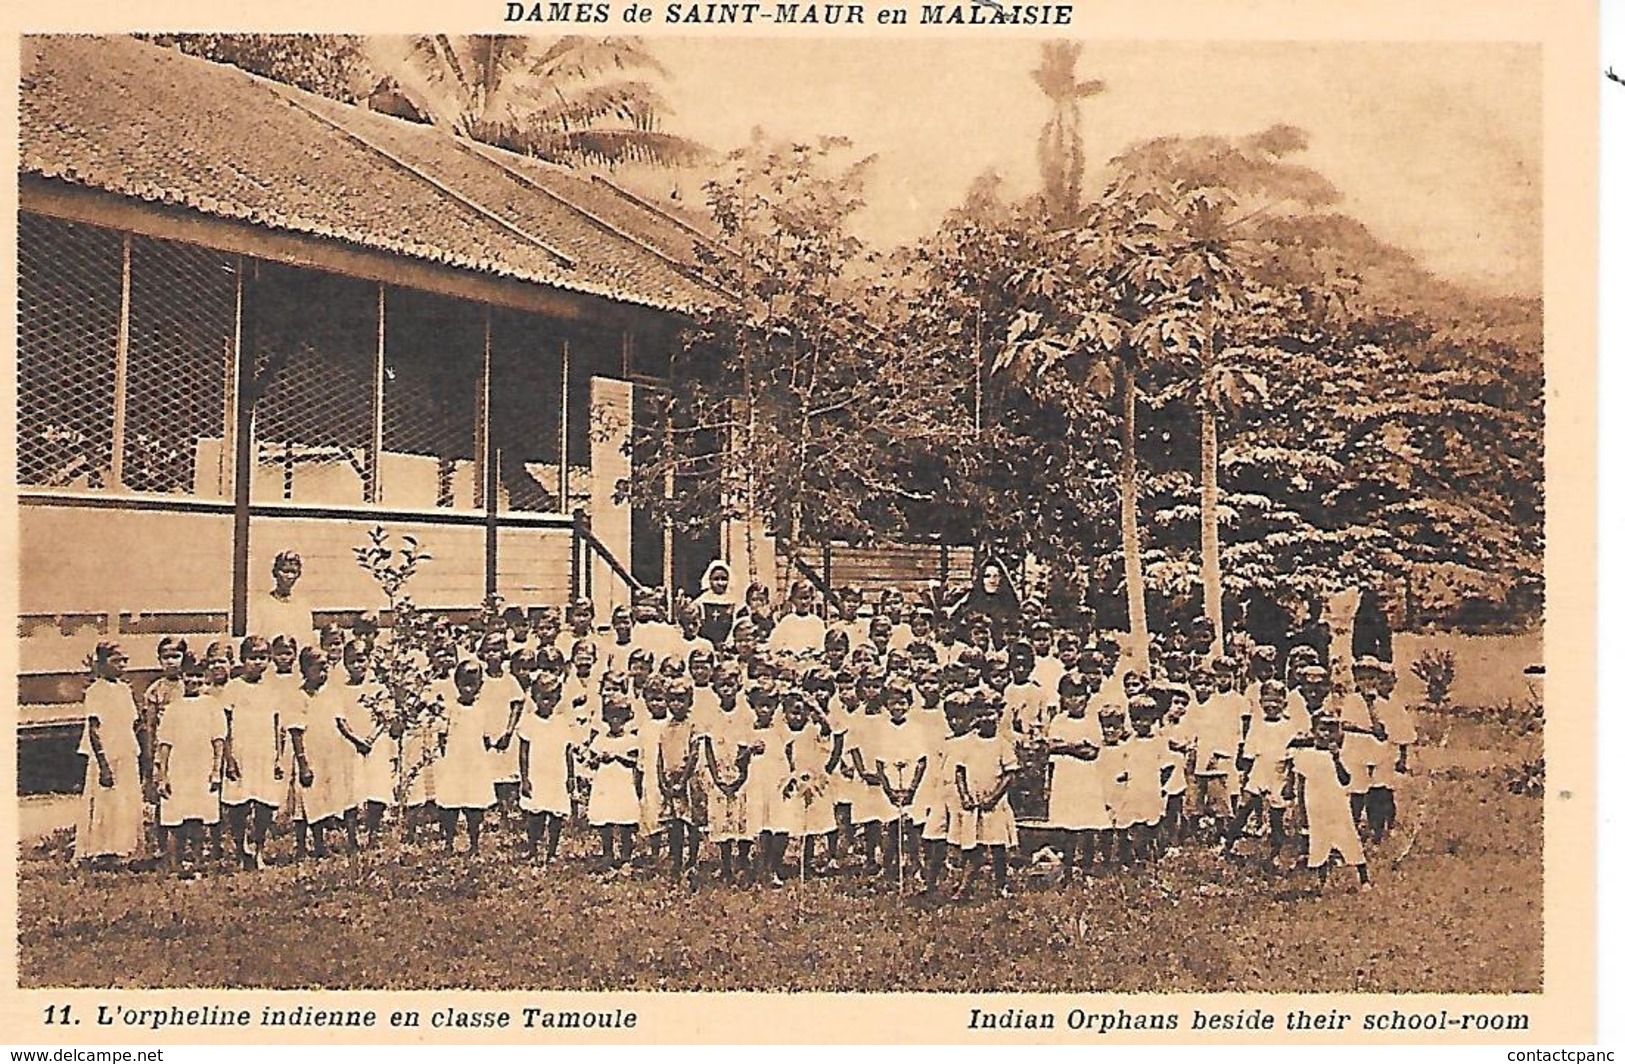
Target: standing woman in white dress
{"points": [[281, 611], [110, 815]]}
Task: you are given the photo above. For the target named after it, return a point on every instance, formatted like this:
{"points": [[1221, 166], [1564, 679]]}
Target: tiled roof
{"points": [[126, 117]]}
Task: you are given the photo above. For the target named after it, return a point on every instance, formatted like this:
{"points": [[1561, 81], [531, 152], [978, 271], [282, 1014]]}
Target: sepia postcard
{"points": [[625, 522]]}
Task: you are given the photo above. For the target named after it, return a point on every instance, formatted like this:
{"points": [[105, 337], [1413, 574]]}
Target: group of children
{"points": [[885, 742]]}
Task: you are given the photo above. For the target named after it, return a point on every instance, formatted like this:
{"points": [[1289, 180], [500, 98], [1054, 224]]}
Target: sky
{"points": [[1437, 148]]}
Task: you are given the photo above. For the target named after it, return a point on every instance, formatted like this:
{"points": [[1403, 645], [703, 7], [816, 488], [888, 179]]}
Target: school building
{"points": [[251, 319]]}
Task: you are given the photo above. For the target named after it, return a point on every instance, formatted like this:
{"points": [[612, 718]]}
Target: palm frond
{"points": [[631, 102], [575, 58], [614, 147]]}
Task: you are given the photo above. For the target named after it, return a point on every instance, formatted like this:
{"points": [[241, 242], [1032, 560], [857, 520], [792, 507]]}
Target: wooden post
{"points": [[486, 462], [575, 558], [243, 477], [564, 428], [374, 488], [491, 525], [667, 488], [584, 526], [121, 374]]}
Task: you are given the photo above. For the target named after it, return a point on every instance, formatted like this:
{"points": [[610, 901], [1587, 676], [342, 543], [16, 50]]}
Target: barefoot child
{"points": [[1396, 734], [329, 800], [984, 825], [172, 652], [284, 678], [1112, 764], [254, 780], [220, 660], [463, 780], [1264, 757], [191, 743], [612, 756], [1176, 730], [766, 769], [1319, 772], [1215, 721], [546, 766], [1137, 804], [806, 806], [941, 795], [871, 810], [1077, 793], [725, 765], [372, 777], [900, 756], [682, 803], [504, 698]]}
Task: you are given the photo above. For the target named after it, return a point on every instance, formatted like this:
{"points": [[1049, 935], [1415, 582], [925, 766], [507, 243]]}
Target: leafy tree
{"points": [[399, 697], [803, 399], [1207, 200], [573, 100], [1088, 323], [331, 65]]}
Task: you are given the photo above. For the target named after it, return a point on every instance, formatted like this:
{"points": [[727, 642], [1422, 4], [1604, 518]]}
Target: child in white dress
{"points": [[806, 804], [1319, 772], [1136, 798], [725, 765], [329, 800], [1077, 803], [984, 766], [191, 743], [901, 752], [1265, 755], [870, 808], [546, 766], [942, 798], [766, 770], [463, 780], [612, 756], [255, 782], [372, 769]]}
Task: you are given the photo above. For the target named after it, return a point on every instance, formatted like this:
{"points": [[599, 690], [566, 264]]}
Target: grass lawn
{"points": [[1456, 908]]}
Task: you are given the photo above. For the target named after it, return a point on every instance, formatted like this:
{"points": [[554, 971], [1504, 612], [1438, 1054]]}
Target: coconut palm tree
{"points": [[1060, 145], [573, 100]]}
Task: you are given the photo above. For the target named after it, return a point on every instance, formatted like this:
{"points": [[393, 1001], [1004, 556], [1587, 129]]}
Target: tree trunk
{"points": [[1212, 587], [1133, 575], [1212, 582]]}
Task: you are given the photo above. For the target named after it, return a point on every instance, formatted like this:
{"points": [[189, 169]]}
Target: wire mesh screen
{"points": [[69, 294], [434, 358], [183, 306], [593, 353], [526, 381], [317, 339]]}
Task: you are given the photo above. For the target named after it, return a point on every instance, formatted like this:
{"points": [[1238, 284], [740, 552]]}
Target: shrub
{"points": [[1436, 668]]}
